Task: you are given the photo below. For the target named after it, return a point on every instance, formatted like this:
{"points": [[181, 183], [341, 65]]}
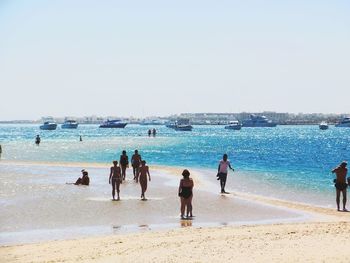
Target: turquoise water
{"points": [[298, 156]]}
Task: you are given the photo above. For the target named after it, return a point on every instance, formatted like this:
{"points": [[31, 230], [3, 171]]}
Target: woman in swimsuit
{"points": [[185, 194], [144, 171], [115, 178]]}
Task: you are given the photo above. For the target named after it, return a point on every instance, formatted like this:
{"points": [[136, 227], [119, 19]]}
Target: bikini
{"points": [[186, 191]]}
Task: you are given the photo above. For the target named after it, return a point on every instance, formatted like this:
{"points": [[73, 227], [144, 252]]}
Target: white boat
{"points": [[183, 127], [170, 124], [48, 125], [151, 122], [181, 124], [345, 122], [233, 125], [69, 124], [323, 125], [258, 121], [113, 124]]}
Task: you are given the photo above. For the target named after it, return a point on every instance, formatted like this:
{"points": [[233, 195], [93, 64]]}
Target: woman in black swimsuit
{"points": [[185, 194], [115, 178]]}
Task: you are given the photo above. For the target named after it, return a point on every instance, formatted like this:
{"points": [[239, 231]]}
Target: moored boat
{"points": [[233, 125], [113, 124], [48, 125], [345, 122], [258, 121], [323, 125], [183, 127], [69, 124]]}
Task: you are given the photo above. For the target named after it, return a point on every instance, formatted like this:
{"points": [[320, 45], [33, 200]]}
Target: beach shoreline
{"points": [[290, 217]]}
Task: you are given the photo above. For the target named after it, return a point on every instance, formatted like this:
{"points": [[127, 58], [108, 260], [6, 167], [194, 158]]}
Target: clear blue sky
{"points": [[141, 58]]}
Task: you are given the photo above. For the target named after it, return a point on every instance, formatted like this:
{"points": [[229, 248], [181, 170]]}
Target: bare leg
{"points": [[183, 204], [123, 172], [113, 188], [344, 200], [338, 199], [189, 207], [118, 188], [137, 174]]}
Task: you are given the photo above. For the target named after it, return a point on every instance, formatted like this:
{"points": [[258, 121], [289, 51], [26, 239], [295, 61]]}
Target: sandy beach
{"points": [[255, 228], [302, 242]]}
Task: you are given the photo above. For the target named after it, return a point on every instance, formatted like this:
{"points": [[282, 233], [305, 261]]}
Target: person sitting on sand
{"points": [[115, 179], [186, 194], [222, 172], [135, 162], [340, 183], [84, 180], [124, 163], [144, 171]]}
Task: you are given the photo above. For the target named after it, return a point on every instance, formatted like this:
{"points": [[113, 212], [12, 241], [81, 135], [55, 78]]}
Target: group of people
{"points": [[152, 132], [185, 191], [117, 176]]}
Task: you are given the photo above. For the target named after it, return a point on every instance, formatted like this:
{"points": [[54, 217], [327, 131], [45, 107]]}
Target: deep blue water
{"points": [[301, 156]]}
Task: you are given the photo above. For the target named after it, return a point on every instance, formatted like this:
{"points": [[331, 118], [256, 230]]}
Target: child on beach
{"points": [[186, 194], [115, 179], [144, 171]]}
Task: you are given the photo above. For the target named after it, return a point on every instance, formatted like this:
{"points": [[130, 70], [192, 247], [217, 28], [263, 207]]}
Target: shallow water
{"points": [[288, 162], [292, 156], [36, 204]]}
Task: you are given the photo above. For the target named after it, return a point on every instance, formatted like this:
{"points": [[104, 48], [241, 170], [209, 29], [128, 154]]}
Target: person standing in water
{"points": [[224, 164], [0, 150], [340, 183], [186, 194], [154, 132], [80, 138], [115, 179], [124, 163], [135, 162], [144, 171], [37, 140]]}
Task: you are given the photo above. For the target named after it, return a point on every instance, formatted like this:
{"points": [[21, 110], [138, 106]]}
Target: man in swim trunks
{"points": [[124, 163], [224, 164], [135, 162], [340, 183], [115, 179], [144, 171]]}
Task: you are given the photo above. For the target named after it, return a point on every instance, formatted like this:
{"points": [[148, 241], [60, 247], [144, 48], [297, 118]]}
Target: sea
{"points": [[284, 162]]}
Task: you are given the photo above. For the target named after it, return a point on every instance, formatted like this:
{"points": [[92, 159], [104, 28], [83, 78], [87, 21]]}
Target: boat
{"points": [[151, 122], [113, 124], [258, 121], [345, 122], [170, 124], [233, 125], [69, 124], [48, 125], [183, 127], [183, 124], [323, 125]]}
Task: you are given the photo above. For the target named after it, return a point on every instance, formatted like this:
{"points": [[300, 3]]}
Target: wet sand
{"points": [[253, 228]]}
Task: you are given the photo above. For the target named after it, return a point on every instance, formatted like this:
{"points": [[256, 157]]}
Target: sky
{"points": [[144, 58]]}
